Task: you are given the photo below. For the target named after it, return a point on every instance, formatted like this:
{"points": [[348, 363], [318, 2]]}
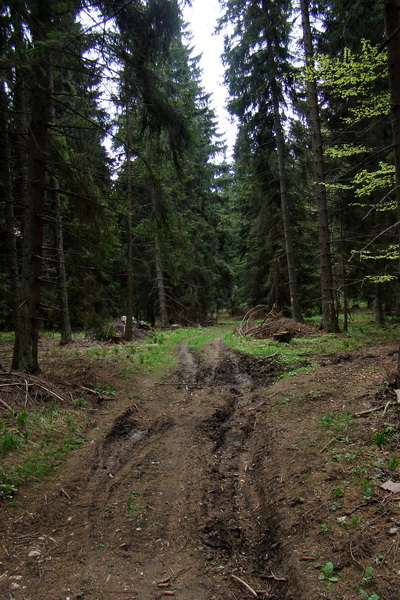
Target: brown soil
{"points": [[217, 477]]}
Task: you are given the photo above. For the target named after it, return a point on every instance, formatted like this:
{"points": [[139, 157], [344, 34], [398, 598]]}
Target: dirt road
{"points": [[203, 486]]}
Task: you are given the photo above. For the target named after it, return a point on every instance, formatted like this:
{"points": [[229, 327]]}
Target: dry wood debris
{"points": [[20, 389], [273, 325]]}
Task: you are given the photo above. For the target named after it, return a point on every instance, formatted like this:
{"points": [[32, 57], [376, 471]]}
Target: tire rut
{"points": [[174, 489]]}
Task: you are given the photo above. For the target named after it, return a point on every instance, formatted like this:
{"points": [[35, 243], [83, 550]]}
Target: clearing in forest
{"points": [[221, 479]]}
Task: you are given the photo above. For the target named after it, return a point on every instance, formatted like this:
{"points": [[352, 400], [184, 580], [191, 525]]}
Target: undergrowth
{"points": [[302, 355], [33, 442]]}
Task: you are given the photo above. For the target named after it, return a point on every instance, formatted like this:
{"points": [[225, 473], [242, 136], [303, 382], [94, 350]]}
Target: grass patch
{"points": [[33, 443], [154, 353], [302, 355]]}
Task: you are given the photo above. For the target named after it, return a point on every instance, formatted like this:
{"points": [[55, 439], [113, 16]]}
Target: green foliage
{"points": [[326, 573], [132, 504], [393, 462], [355, 74], [369, 574], [368, 595], [9, 442], [51, 435]]}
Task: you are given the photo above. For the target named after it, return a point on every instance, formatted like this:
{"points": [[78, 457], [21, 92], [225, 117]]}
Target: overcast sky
{"points": [[202, 18]]}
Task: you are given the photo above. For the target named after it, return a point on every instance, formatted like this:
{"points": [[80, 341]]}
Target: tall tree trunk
{"points": [[345, 301], [65, 323], [280, 146], [329, 317], [62, 287], [10, 225], [379, 315], [162, 301], [162, 297], [25, 356], [129, 253], [392, 25]]}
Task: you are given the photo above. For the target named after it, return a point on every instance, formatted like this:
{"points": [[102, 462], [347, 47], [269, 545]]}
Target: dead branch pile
{"points": [[273, 325], [21, 390]]}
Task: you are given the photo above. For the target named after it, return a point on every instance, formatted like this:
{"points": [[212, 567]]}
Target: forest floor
{"points": [[220, 480]]}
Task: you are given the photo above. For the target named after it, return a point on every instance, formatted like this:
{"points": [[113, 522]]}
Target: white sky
{"points": [[202, 18]]}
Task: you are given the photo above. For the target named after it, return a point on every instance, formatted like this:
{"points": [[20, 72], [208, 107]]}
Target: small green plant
{"points": [[369, 596], [326, 421], [132, 504], [105, 389], [159, 338], [368, 493], [356, 521], [335, 506], [9, 441], [7, 490], [381, 438], [79, 402], [369, 573], [21, 419], [324, 528], [393, 462], [338, 492], [71, 425], [326, 573]]}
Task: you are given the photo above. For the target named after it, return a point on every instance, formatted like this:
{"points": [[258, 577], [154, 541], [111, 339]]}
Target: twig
{"points": [[386, 407], [26, 392], [65, 493], [86, 389], [272, 576], [371, 410], [178, 383], [7, 406], [184, 545], [50, 391], [246, 585], [328, 444]]}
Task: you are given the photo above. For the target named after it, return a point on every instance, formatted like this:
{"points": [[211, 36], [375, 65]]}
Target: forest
{"points": [[116, 194]]}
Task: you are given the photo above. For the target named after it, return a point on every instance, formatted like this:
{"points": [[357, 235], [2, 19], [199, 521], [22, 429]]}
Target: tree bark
{"points": [[379, 314], [65, 323], [162, 301], [129, 251], [25, 356], [10, 225], [392, 25], [62, 289], [329, 317], [280, 146]]}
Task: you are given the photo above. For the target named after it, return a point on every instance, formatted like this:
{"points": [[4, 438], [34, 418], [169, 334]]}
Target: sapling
{"points": [[326, 572]]}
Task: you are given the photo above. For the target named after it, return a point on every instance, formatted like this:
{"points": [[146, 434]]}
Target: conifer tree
{"points": [[258, 75]]}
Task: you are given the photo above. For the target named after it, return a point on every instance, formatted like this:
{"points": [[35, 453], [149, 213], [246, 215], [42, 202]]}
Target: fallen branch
{"points": [[246, 585], [89, 390], [50, 391], [376, 409]]}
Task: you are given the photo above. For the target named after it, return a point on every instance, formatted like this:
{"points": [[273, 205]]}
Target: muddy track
{"points": [[170, 498], [191, 486]]}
